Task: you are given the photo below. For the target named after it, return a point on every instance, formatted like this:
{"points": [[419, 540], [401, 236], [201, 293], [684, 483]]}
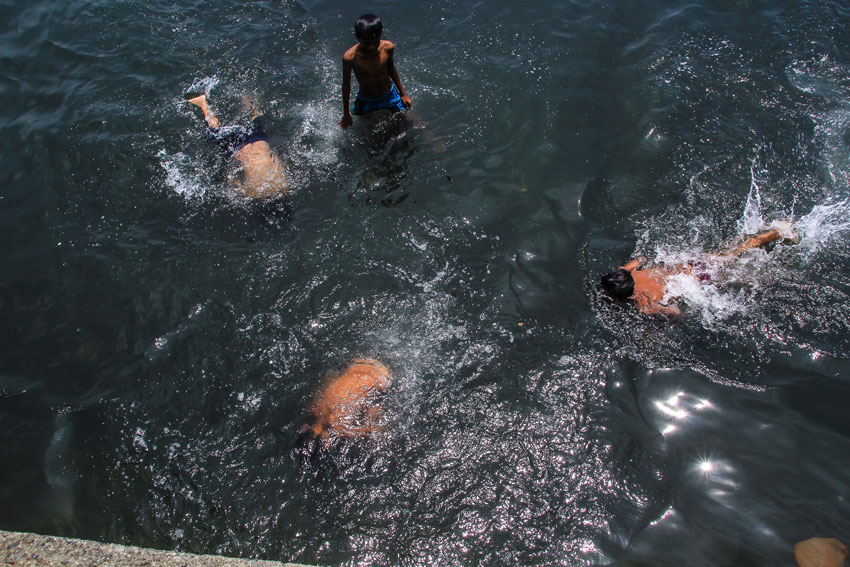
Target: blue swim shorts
{"points": [[390, 101], [233, 138]]}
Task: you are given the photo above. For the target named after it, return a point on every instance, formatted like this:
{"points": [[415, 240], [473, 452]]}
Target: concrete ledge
{"points": [[31, 550]]}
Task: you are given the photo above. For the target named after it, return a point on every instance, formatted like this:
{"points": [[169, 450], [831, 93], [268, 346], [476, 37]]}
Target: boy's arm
{"points": [[666, 310], [754, 242], [650, 307], [634, 264], [654, 308], [393, 72], [347, 62]]}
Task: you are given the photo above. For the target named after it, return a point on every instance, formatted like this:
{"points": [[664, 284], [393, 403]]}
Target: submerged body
{"points": [[261, 174], [820, 552], [347, 405]]}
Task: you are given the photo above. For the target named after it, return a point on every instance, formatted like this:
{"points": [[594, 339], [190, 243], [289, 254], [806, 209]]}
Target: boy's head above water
{"points": [[368, 27]]}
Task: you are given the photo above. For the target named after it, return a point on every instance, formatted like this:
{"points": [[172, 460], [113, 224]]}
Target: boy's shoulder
{"points": [[350, 53]]}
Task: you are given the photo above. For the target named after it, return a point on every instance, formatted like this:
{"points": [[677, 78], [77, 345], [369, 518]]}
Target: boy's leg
{"points": [[251, 107], [209, 117], [230, 141]]}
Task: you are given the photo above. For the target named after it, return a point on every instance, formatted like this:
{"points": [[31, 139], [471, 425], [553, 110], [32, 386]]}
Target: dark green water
{"points": [[161, 338]]}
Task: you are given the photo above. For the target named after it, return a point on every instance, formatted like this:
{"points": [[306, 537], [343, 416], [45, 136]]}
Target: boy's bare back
{"points": [[346, 407]]}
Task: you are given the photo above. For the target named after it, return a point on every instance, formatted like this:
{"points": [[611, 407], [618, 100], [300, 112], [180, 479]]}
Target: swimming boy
{"points": [[347, 406], [262, 173], [820, 552], [371, 59], [648, 285]]}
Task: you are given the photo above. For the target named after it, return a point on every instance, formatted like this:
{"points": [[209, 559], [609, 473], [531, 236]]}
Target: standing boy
{"points": [[372, 62]]}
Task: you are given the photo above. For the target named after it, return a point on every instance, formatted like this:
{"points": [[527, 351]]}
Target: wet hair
{"points": [[368, 25], [619, 284]]}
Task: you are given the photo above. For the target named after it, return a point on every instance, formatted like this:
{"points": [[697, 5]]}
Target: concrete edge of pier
{"points": [[31, 550]]}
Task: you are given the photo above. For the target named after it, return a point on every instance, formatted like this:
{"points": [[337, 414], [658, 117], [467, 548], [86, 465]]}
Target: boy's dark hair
{"points": [[368, 25], [619, 284]]}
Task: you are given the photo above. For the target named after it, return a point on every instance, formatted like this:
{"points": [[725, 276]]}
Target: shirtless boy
{"points": [[262, 173], [347, 406], [371, 59], [648, 285], [820, 552]]}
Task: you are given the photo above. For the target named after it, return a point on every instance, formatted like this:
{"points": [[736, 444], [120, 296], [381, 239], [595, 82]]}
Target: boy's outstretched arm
{"points": [[346, 119], [393, 72], [634, 264], [654, 308], [754, 242]]}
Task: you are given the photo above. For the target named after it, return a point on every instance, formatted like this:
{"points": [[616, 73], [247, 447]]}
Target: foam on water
{"points": [[825, 223], [734, 280], [183, 174], [203, 85]]}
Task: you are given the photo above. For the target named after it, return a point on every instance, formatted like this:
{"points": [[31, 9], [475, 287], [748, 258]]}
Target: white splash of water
{"points": [[823, 224], [751, 220], [183, 175], [314, 148], [203, 85], [728, 283], [713, 303], [725, 284], [315, 145]]}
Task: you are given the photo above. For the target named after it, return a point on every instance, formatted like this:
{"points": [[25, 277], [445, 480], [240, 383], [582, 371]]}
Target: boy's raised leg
{"points": [[201, 102]]}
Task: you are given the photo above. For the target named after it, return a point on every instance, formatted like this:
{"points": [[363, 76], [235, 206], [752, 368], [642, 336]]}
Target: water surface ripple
{"points": [[162, 338]]}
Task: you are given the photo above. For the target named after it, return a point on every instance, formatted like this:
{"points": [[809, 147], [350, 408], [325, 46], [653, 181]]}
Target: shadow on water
{"points": [[388, 142]]}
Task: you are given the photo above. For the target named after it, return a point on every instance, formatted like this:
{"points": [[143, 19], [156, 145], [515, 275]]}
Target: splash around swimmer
{"points": [[647, 285]]}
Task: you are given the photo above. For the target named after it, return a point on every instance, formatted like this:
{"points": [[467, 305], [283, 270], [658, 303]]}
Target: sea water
{"points": [[163, 337]]}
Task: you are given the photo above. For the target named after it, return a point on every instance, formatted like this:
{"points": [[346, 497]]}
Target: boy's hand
{"points": [[405, 100], [346, 121]]}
